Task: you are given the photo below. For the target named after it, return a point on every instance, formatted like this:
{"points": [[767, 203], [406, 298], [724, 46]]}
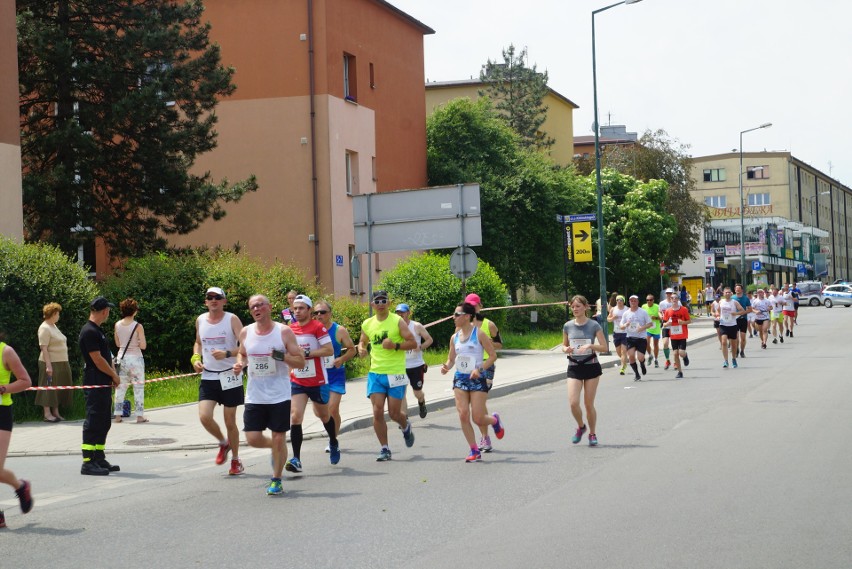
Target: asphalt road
{"points": [[725, 468]]}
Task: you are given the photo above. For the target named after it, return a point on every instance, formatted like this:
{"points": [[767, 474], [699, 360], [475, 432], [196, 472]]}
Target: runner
{"points": [[709, 296], [635, 322], [415, 366], [729, 310], [619, 337], [742, 319], [750, 317], [267, 350], [388, 337], [490, 328], [344, 350], [789, 310], [653, 310], [777, 317], [214, 355], [472, 379], [310, 381], [10, 364], [714, 311], [676, 319], [796, 292], [665, 304], [582, 338], [762, 310]]}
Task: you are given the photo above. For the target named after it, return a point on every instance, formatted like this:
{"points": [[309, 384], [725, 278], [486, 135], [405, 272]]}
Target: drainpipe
{"points": [[314, 189]]}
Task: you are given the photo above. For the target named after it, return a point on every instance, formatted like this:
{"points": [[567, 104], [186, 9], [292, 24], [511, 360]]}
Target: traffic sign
{"points": [[800, 268], [755, 266], [581, 241], [463, 262], [709, 259], [583, 217]]}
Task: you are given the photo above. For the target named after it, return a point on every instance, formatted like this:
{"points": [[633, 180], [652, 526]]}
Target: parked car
{"points": [[810, 293], [837, 294]]}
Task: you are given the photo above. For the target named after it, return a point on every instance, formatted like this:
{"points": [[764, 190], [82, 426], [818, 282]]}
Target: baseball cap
{"points": [[668, 290], [216, 290], [402, 307], [306, 300], [632, 296], [380, 294], [100, 303], [473, 299]]}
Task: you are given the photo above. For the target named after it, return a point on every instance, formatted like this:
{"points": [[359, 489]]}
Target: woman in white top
{"points": [[53, 366], [130, 340]]}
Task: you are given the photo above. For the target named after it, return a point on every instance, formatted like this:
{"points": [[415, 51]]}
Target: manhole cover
{"points": [[149, 442]]}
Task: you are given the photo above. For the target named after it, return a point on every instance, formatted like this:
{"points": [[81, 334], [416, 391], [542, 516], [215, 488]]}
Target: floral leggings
{"points": [[132, 370]]}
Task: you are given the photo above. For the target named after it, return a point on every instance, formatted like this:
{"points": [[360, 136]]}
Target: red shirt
{"points": [[312, 336], [678, 317]]}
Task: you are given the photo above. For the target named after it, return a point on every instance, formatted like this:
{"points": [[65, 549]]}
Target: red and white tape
{"points": [[62, 387]]}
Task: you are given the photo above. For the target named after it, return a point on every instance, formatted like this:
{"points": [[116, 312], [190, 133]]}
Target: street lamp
{"points": [[742, 206], [601, 248]]}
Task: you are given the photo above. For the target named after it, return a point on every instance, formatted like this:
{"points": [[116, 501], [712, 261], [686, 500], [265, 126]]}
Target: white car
{"points": [[837, 294]]}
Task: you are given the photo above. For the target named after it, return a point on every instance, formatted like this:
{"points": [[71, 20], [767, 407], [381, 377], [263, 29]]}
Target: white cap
{"points": [[306, 300], [216, 290]]}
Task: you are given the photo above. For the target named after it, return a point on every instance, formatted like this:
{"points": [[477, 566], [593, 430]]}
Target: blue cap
{"points": [[402, 307]]}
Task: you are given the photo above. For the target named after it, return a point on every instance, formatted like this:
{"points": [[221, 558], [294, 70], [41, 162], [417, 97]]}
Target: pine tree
{"points": [[517, 92], [117, 101]]}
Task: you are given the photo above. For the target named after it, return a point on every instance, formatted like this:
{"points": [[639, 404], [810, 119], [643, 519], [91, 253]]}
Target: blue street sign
{"points": [[582, 217], [800, 268], [561, 218], [338, 260], [755, 265], [712, 271]]}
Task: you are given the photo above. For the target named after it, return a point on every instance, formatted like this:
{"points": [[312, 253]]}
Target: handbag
{"points": [[117, 361]]}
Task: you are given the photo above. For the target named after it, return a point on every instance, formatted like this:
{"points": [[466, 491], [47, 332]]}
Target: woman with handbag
{"points": [[130, 365]]}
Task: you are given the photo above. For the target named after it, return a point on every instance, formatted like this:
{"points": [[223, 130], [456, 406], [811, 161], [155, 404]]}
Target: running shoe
{"points": [[334, 454], [578, 434], [650, 360], [499, 429], [474, 456], [224, 449], [2, 519], [791, 333], [236, 467], [423, 410], [637, 378], [275, 488], [686, 359], [734, 362], [327, 449], [593, 440], [25, 497], [485, 444], [384, 455], [742, 353], [774, 340], [408, 435], [725, 364], [679, 375], [763, 345], [786, 332], [293, 465], [668, 364], [656, 363], [782, 339], [644, 369], [623, 369]]}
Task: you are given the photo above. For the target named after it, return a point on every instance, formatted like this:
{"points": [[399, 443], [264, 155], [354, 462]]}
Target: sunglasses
{"points": [[650, 299], [457, 314], [215, 297], [318, 312], [380, 301]]}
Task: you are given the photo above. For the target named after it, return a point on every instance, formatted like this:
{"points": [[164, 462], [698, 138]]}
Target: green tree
{"points": [[521, 192], [518, 92], [117, 101], [658, 156]]}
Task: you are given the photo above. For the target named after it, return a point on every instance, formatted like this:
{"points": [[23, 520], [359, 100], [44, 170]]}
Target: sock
{"points": [[474, 449], [635, 368], [331, 429], [407, 428], [666, 353], [296, 440]]}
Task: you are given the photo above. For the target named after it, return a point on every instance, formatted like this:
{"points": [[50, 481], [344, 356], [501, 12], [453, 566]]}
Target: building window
{"points": [[715, 175], [757, 172], [354, 272], [350, 78], [758, 199], [716, 201], [375, 175], [352, 173], [372, 77]]}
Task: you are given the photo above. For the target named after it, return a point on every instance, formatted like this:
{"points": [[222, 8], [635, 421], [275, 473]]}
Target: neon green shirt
{"points": [[654, 312], [381, 360], [5, 378]]}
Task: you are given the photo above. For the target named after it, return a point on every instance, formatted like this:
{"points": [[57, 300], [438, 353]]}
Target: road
{"points": [[725, 468]]}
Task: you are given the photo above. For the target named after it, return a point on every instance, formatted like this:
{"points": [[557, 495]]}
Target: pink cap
{"points": [[473, 299]]}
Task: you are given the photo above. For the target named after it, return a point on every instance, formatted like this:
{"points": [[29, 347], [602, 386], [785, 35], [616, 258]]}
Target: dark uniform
{"points": [[98, 401]]}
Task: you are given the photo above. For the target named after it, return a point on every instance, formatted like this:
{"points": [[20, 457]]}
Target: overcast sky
{"points": [[701, 70]]}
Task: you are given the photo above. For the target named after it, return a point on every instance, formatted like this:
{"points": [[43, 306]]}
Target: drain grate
{"points": [[150, 442]]}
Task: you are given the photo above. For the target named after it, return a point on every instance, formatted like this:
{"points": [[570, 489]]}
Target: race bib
{"points": [[678, 329], [465, 364], [309, 371], [328, 362], [261, 366], [397, 379], [633, 326], [230, 380], [576, 343]]}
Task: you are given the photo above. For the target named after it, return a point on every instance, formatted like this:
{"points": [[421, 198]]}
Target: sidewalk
{"points": [[178, 428]]}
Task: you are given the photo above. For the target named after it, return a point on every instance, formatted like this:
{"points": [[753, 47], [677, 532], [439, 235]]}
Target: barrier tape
{"points": [[63, 387], [502, 308]]}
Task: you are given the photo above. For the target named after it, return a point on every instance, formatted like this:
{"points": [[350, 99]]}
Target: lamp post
{"points": [[601, 248], [742, 206]]}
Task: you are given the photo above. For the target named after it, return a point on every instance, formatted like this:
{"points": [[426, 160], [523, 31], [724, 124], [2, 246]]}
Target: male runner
{"points": [[742, 319], [676, 319], [665, 304], [653, 310], [344, 350], [762, 309], [729, 311], [635, 322], [415, 366]]}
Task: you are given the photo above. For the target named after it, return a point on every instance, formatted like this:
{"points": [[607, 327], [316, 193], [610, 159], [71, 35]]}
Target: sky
{"points": [[701, 70]]}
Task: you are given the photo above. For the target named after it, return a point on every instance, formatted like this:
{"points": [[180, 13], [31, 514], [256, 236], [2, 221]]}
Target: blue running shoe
{"points": [[685, 360], [408, 435], [293, 465], [725, 364], [384, 455], [593, 440], [734, 362], [274, 488], [474, 456], [578, 436], [499, 427], [334, 454]]}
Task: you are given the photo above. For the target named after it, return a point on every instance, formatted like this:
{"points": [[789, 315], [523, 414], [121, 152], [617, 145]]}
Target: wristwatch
{"points": [[228, 353], [307, 352], [396, 346]]}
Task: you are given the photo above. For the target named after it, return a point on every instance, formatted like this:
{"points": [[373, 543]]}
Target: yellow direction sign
{"points": [[581, 241]]}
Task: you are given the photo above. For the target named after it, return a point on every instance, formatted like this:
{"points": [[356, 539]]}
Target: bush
{"points": [[31, 275], [550, 318], [425, 282]]}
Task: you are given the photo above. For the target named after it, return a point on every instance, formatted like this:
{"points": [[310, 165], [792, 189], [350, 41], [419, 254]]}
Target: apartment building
{"points": [[11, 208]]}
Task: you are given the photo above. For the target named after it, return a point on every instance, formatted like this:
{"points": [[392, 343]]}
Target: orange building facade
{"points": [[11, 210], [329, 104]]}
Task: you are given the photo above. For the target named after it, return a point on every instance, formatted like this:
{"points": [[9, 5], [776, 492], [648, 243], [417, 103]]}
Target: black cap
{"points": [[380, 294], [100, 303]]}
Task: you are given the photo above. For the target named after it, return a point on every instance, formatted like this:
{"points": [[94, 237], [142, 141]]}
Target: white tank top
{"points": [[617, 313], [468, 352], [268, 379], [123, 333], [414, 358], [218, 336]]}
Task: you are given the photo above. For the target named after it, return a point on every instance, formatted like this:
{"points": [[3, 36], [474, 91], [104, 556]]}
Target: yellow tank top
{"points": [[485, 328], [5, 378], [384, 361]]}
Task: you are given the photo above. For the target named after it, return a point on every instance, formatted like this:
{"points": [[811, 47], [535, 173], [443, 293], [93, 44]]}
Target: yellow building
{"points": [[559, 123], [11, 209]]}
